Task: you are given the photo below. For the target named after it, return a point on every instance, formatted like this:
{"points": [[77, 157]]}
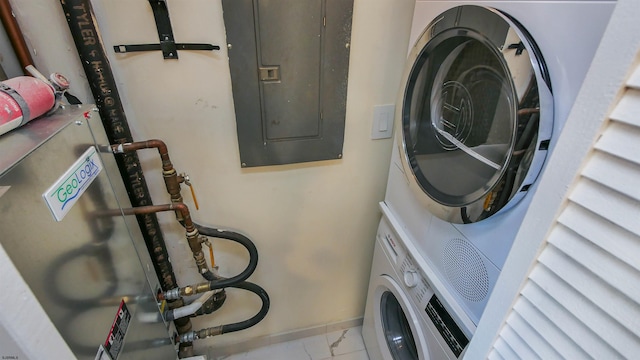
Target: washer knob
{"points": [[411, 278]]}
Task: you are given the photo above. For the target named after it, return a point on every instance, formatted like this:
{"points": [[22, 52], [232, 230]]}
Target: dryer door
{"points": [[396, 323], [476, 114]]}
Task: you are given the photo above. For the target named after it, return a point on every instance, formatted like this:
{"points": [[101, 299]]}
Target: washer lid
{"points": [[476, 114]]}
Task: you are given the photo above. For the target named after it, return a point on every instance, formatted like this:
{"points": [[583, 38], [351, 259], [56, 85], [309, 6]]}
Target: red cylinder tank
{"points": [[22, 99]]}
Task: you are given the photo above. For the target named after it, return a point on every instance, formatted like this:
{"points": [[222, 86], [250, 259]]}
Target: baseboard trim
{"points": [[215, 352]]}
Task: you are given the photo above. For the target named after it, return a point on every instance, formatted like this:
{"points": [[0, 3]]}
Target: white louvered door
{"points": [[582, 298]]}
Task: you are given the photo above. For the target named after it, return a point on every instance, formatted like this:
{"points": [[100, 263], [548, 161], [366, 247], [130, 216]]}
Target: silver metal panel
{"points": [[289, 76], [82, 267]]}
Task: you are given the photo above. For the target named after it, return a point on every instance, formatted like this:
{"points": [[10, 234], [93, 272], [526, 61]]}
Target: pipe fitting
{"points": [[201, 263], [172, 183], [172, 294], [188, 291], [190, 336], [213, 331], [190, 309]]}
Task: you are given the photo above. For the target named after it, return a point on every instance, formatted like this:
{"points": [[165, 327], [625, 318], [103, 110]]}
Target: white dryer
{"points": [[487, 88], [407, 316]]}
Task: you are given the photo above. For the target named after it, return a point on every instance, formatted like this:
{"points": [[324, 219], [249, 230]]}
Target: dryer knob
{"points": [[411, 278]]}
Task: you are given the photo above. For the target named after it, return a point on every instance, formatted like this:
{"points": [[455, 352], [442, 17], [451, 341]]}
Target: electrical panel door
{"points": [[289, 61]]}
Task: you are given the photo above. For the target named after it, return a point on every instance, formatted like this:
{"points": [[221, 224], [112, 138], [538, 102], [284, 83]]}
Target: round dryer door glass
{"points": [[396, 329], [471, 113]]}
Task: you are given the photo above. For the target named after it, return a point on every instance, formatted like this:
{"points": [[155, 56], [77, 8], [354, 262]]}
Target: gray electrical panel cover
{"points": [[289, 63]]}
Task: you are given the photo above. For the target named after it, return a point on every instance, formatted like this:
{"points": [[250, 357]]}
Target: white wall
{"points": [[314, 224]]}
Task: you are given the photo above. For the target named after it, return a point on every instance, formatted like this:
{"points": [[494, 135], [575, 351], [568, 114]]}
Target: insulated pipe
{"points": [[80, 18], [81, 21], [223, 329], [15, 35]]}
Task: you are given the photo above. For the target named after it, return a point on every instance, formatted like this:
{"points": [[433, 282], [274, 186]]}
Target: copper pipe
{"points": [[15, 35], [193, 235], [171, 179], [149, 144], [179, 207]]}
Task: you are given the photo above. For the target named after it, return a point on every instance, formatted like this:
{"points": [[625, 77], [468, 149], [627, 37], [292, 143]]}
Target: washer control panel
{"points": [[422, 294], [449, 330]]}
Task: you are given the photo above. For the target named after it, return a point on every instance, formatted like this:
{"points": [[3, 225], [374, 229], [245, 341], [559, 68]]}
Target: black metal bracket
{"points": [[167, 43]]}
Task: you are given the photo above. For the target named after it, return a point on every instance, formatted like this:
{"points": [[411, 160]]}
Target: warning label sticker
{"points": [[115, 340]]}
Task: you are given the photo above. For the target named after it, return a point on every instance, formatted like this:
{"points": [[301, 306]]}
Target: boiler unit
{"points": [[86, 264]]}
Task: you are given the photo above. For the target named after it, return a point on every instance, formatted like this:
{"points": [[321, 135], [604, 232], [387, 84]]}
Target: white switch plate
{"points": [[382, 126]]}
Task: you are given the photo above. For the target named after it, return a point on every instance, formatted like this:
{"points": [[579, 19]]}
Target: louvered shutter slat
{"points": [[634, 80], [626, 179], [526, 331], [582, 297], [628, 108], [583, 309], [603, 297], [621, 140], [597, 265], [553, 336], [600, 231], [519, 346], [611, 205], [504, 351], [574, 339]]}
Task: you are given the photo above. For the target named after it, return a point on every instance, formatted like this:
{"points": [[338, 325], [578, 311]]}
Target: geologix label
{"points": [[66, 191]]}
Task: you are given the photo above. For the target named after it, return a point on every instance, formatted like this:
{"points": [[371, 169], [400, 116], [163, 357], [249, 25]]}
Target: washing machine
{"points": [[487, 88], [407, 315]]}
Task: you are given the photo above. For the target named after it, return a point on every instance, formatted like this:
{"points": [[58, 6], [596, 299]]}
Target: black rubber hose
{"points": [[223, 329], [218, 282], [245, 285]]}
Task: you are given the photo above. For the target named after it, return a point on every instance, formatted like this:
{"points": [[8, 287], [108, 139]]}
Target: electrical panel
{"points": [[289, 63]]}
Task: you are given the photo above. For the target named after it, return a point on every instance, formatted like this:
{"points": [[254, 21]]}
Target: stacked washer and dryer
{"points": [[487, 88]]}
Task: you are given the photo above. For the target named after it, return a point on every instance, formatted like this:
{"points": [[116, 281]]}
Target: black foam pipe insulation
{"points": [[81, 21]]}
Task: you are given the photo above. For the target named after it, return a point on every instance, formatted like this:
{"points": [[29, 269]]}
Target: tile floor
{"points": [[344, 344]]}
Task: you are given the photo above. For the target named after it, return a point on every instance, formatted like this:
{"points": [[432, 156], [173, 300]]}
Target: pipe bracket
{"points": [[167, 44]]}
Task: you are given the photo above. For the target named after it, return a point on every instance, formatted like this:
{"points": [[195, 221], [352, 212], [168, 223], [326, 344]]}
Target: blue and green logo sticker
{"points": [[66, 191]]}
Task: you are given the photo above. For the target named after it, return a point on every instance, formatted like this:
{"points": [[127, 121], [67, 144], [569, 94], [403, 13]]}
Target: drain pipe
{"points": [[81, 21]]}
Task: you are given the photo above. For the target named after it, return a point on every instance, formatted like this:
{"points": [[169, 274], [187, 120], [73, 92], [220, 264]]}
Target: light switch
{"points": [[382, 126]]}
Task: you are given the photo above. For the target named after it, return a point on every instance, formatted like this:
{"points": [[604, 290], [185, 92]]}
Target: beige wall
{"points": [[314, 224]]}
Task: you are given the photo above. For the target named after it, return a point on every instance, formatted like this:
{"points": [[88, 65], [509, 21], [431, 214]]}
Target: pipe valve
{"points": [[187, 181]]}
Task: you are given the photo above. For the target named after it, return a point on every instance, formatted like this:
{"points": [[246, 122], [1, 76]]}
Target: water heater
{"points": [[89, 270]]}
